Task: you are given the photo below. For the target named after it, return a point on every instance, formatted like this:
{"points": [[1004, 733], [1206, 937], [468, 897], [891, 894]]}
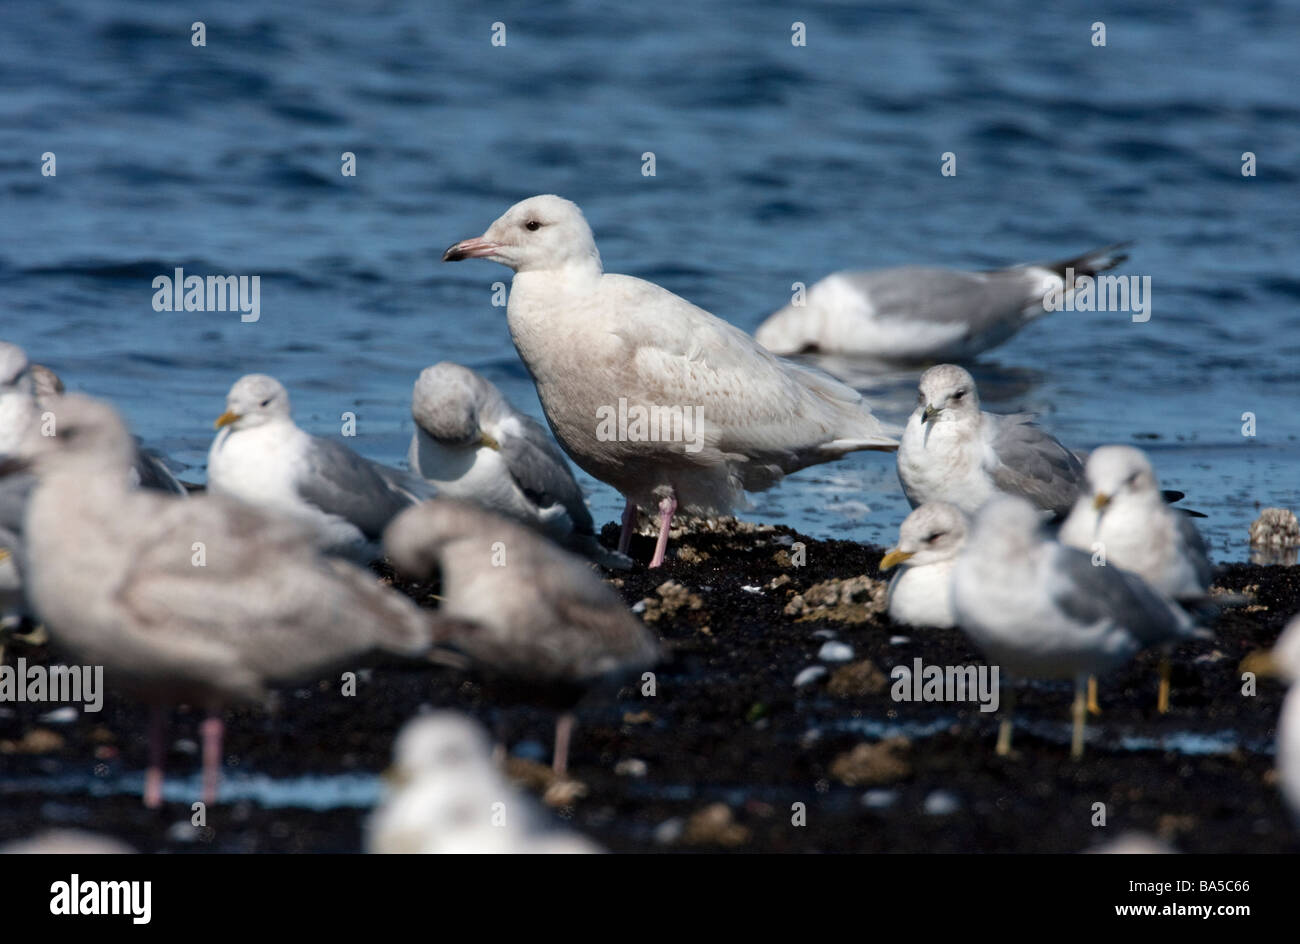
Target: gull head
{"points": [[253, 400], [441, 742], [947, 392], [932, 533], [1120, 473], [541, 234], [1004, 526], [416, 539], [15, 376], [77, 433], [445, 404], [1283, 660]]}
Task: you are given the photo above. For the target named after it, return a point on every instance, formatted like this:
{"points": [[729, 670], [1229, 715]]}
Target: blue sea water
{"points": [[774, 164]]}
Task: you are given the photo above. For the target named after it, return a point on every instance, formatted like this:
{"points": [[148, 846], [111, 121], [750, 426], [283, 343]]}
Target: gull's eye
{"points": [[934, 537], [959, 394], [267, 401], [532, 226]]}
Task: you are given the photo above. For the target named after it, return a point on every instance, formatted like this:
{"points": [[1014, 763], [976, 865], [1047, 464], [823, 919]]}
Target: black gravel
{"points": [[728, 747]]}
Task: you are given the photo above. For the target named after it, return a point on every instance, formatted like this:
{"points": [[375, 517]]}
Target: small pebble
{"points": [[631, 767], [183, 831], [879, 799], [899, 640], [942, 803], [64, 715], [809, 675], [835, 652], [670, 831], [749, 589]]}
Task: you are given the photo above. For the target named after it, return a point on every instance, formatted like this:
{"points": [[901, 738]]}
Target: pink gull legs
{"points": [[667, 506], [629, 523], [563, 734], [212, 730], [153, 776]]}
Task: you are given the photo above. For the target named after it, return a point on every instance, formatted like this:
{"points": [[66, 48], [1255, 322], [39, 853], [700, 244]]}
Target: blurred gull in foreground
{"points": [[66, 842], [914, 313], [1039, 609], [929, 540], [446, 796], [954, 452], [675, 408], [261, 456], [204, 600], [1123, 514], [1283, 662], [473, 445], [519, 607]]}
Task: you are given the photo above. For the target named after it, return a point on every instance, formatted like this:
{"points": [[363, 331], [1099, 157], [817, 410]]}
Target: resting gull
{"points": [[954, 452], [445, 795], [672, 406], [261, 456], [473, 445], [1039, 609], [1283, 661], [1122, 514], [519, 607], [915, 313], [929, 540], [205, 600]]}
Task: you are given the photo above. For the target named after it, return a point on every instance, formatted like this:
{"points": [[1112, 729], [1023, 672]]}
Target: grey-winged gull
{"points": [[262, 457], [205, 600], [473, 445], [519, 607], [1122, 514], [1039, 609], [445, 795], [929, 540], [672, 406], [954, 452], [1283, 662], [917, 313]]}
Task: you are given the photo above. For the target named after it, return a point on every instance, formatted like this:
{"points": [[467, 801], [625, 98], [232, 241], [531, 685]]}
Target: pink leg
{"points": [[212, 729], [153, 776], [563, 733], [629, 523], [667, 506]]}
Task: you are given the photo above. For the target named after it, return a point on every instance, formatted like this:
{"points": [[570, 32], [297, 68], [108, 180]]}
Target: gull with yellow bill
{"points": [[262, 457]]}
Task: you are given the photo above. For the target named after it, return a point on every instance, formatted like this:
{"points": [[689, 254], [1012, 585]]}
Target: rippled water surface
{"points": [[774, 164]]}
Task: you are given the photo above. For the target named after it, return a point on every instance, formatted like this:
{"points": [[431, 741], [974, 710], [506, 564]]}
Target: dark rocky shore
{"points": [[719, 757]]}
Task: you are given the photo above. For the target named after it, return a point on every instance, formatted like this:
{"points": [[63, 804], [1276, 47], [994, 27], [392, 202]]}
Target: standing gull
{"points": [[929, 540], [672, 406], [954, 452], [1039, 609], [1123, 513], [205, 600], [914, 313], [473, 445], [1283, 661], [447, 796], [519, 607], [261, 456]]}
